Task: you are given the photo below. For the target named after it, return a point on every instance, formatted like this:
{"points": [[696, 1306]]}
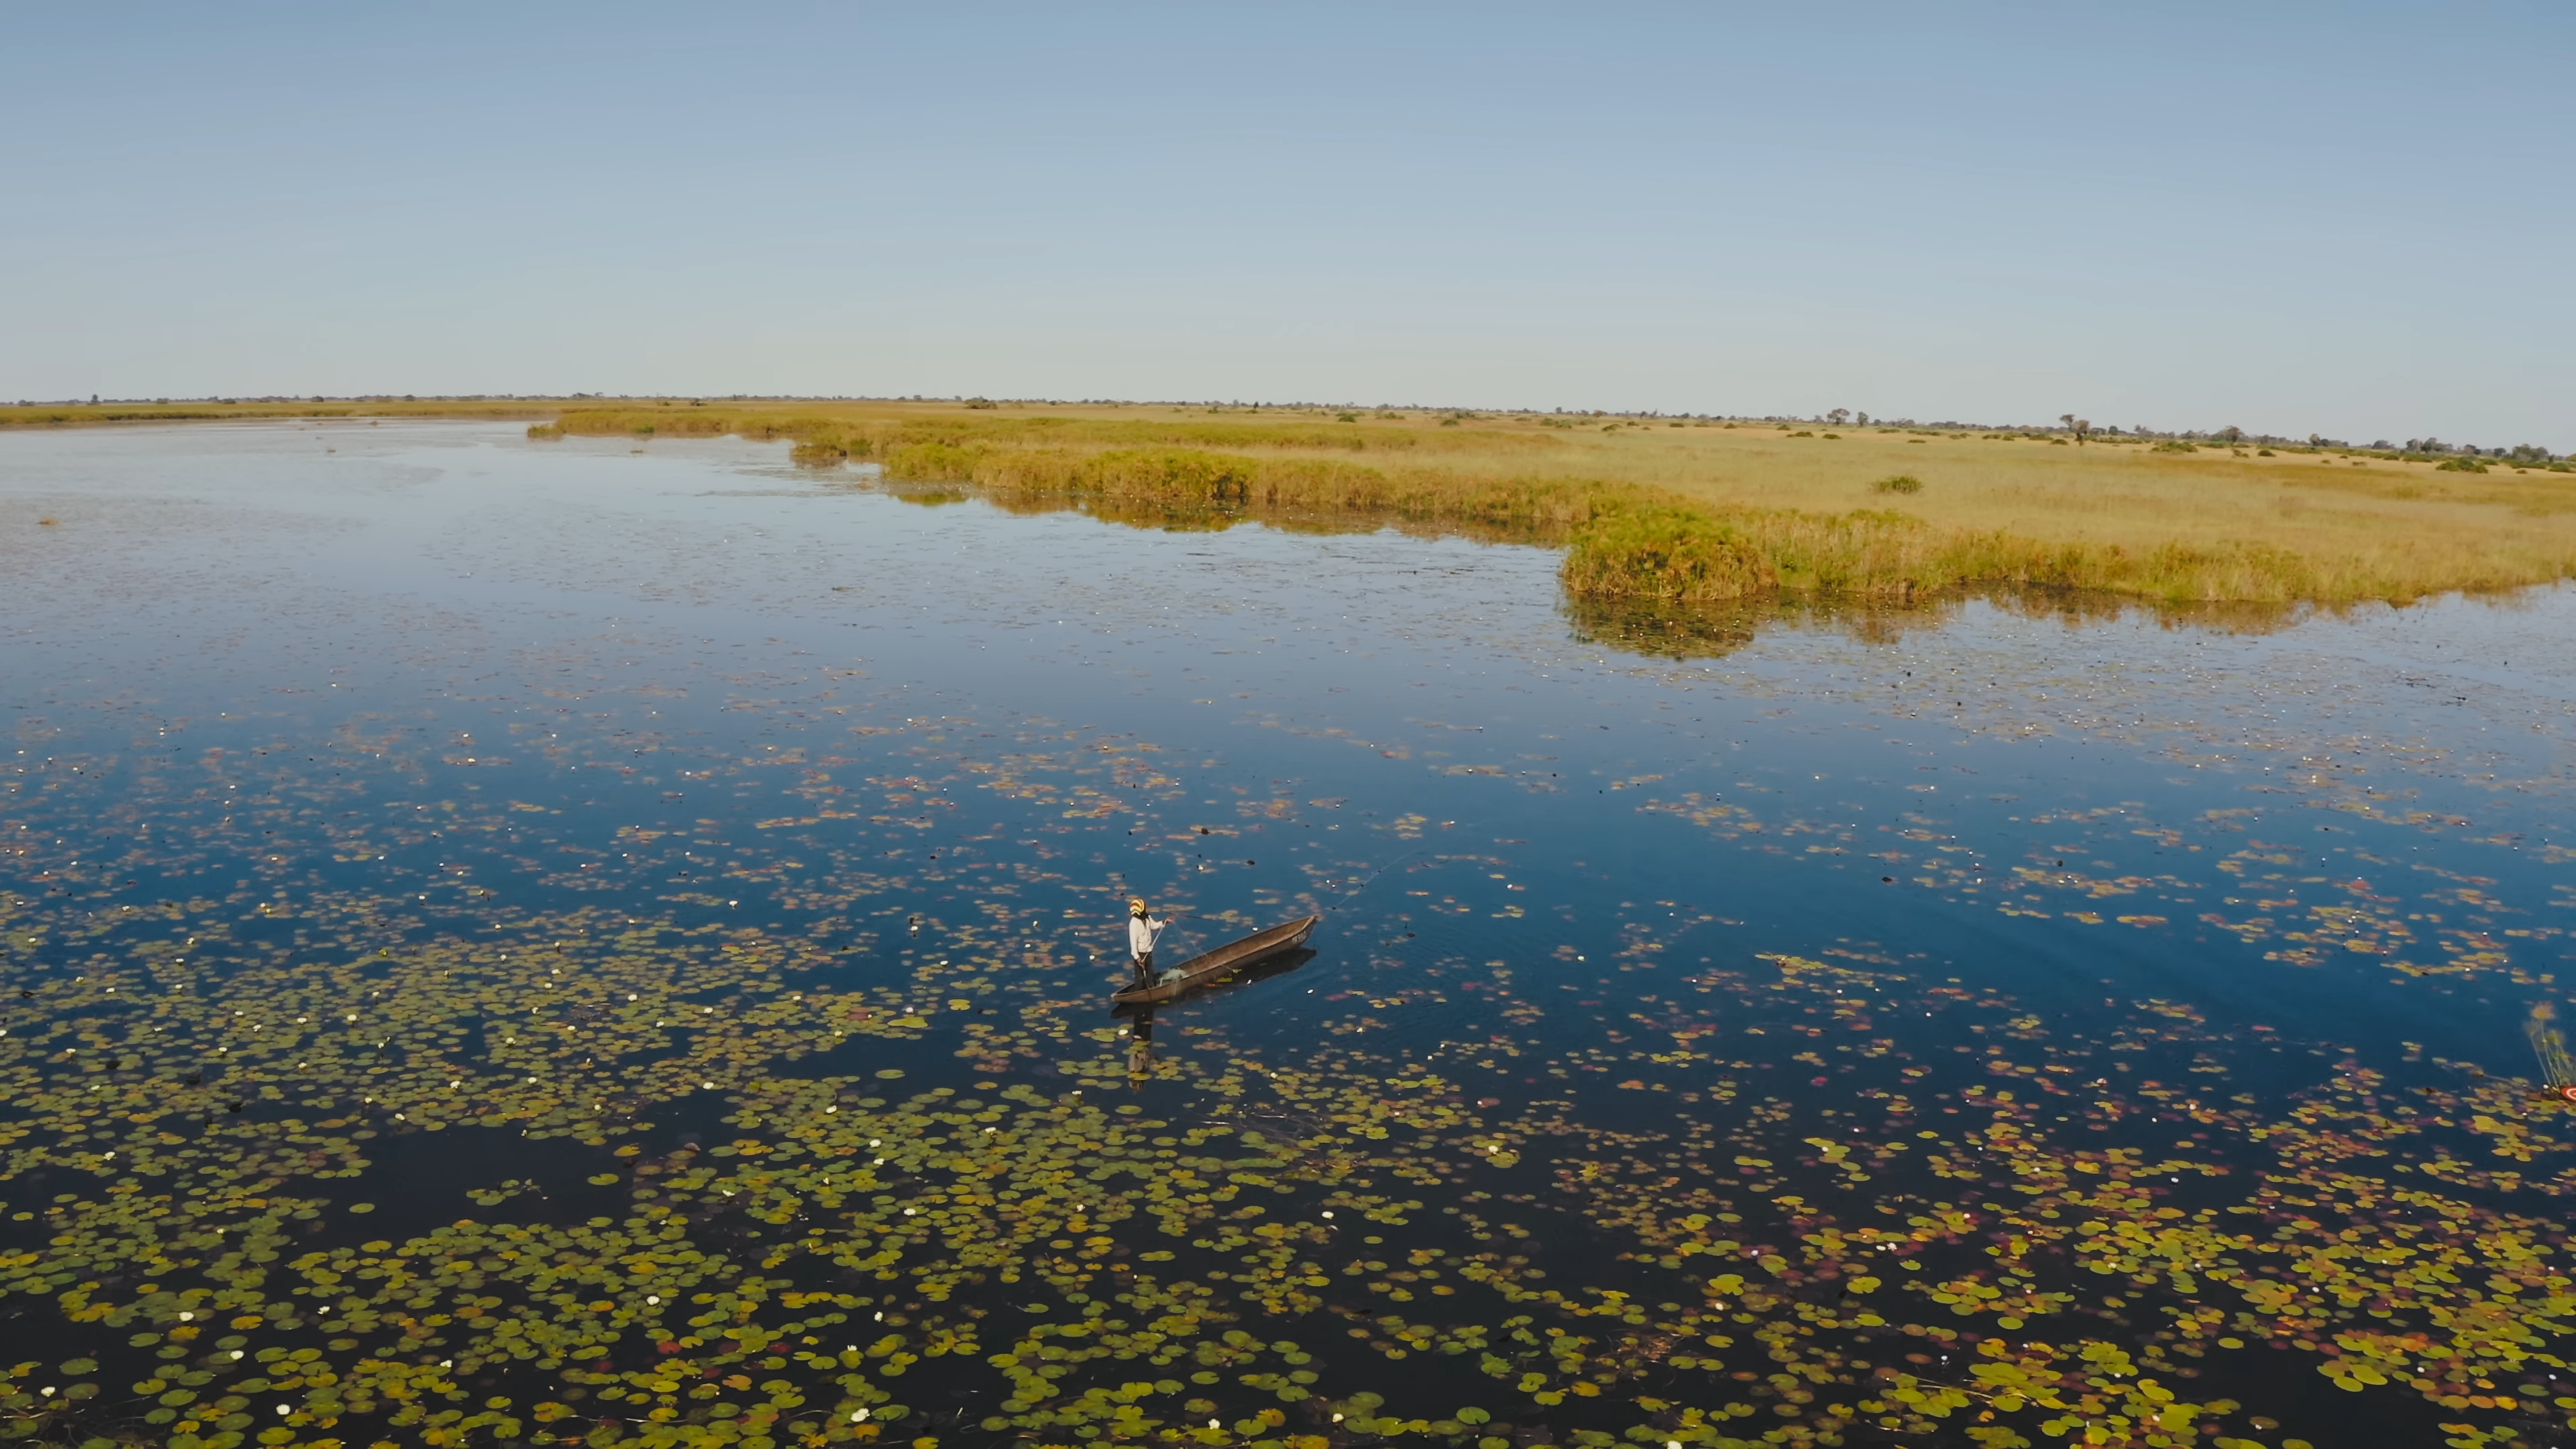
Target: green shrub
{"points": [[1901, 483], [2460, 465], [1655, 551]]}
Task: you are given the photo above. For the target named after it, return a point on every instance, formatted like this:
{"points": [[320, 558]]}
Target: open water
{"points": [[562, 941]]}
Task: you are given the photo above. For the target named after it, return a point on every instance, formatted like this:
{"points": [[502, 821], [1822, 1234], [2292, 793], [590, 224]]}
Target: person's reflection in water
{"points": [[1140, 1044]]}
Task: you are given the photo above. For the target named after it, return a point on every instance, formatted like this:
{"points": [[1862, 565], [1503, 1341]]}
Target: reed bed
{"points": [[1637, 541], [1195, 480], [1698, 555]]}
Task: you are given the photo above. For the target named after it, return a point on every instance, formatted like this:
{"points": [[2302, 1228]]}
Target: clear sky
{"points": [[2352, 219]]}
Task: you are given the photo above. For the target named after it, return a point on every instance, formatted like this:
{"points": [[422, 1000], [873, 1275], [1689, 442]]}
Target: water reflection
{"points": [[609, 948], [1714, 631], [1140, 1040]]}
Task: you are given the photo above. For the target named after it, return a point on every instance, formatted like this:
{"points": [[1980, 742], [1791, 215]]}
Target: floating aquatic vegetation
{"points": [[578, 1061], [2557, 1072]]}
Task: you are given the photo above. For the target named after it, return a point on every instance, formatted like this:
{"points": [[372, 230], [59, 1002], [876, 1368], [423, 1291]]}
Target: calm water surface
{"points": [[552, 941]]}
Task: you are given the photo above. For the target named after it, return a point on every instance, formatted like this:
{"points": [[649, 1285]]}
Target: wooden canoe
{"points": [[1207, 967]]}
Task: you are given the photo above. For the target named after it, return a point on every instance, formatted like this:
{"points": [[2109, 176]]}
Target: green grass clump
{"points": [[1660, 551], [1901, 483]]}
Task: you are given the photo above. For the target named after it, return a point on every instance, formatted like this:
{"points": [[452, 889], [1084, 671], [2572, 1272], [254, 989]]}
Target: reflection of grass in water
{"points": [[1713, 630], [1664, 628], [928, 497]]}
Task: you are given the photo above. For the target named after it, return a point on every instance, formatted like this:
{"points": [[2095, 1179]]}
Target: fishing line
{"points": [[1371, 878]]}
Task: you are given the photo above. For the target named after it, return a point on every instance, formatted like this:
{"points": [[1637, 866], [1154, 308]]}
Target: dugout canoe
{"points": [[1213, 965]]}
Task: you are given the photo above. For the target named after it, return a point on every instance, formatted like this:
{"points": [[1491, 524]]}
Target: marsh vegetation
{"points": [[1691, 511]]}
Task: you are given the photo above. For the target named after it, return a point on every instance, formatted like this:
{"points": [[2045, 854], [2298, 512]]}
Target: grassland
{"points": [[1659, 511], [1709, 512]]}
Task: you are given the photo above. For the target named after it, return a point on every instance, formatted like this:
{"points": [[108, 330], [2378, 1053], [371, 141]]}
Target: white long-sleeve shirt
{"points": [[1141, 934]]}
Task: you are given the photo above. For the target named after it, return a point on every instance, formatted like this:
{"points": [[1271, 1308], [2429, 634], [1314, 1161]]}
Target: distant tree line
{"points": [[2067, 425]]}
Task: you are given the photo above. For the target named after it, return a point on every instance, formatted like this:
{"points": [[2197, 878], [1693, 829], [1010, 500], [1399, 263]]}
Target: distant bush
{"points": [[980, 403], [2460, 465], [2173, 445], [1803, 433], [1901, 483], [545, 432]]}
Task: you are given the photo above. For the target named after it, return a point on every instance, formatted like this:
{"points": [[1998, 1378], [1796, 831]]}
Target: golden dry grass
{"points": [[1694, 511], [2324, 527], [1711, 511]]}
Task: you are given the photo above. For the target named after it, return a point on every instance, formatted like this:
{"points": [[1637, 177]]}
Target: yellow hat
{"points": [[1136, 906]]}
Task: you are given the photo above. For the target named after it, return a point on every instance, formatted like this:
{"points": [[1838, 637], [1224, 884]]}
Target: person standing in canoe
{"points": [[1143, 929]]}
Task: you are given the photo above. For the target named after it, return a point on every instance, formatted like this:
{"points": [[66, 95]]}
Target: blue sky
{"points": [[2349, 219]]}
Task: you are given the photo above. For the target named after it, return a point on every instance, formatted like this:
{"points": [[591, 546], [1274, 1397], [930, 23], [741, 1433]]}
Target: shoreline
{"points": [[1669, 511]]}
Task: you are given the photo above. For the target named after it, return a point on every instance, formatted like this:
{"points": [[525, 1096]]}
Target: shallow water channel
{"points": [[562, 941]]}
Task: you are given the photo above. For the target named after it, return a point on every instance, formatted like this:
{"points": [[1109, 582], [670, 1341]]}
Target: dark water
{"points": [[537, 940]]}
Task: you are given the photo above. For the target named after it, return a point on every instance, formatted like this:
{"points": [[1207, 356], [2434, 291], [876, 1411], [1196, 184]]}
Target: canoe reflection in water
{"points": [[1139, 1016]]}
